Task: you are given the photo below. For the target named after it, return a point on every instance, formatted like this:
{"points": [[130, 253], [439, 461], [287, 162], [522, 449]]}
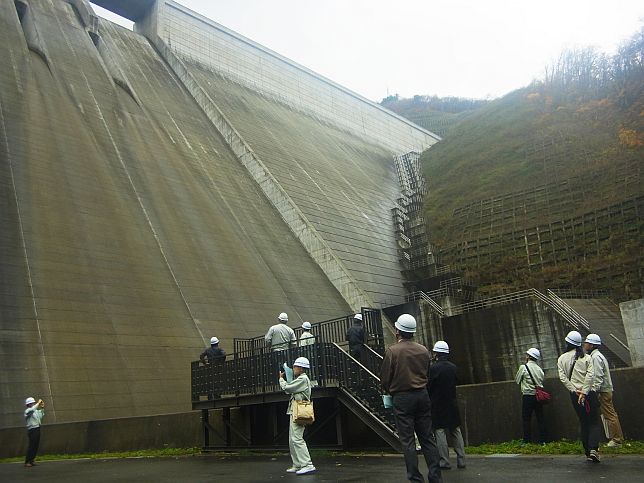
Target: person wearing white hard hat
{"points": [[445, 415], [34, 413], [355, 336], [577, 374], [213, 354], [404, 375], [299, 389], [603, 386], [280, 336], [306, 338], [529, 377]]}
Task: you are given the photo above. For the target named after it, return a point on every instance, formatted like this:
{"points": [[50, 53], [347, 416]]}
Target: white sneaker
{"points": [[292, 469], [306, 470], [614, 444]]}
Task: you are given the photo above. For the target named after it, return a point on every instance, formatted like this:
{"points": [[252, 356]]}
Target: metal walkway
{"points": [[248, 378]]}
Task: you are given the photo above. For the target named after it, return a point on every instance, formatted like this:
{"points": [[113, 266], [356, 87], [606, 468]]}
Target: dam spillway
{"points": [[130, 232]]}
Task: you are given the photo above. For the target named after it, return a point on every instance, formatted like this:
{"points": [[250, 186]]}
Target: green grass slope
{"points": [[579, 139]]}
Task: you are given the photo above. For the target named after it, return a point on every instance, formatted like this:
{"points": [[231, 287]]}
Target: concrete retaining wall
{"points": [[492, 412], [633, 317], [489, 412]]}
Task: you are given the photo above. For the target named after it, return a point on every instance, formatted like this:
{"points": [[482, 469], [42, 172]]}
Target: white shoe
{"points": [[614, 444], [292, 469], [306, 470]]}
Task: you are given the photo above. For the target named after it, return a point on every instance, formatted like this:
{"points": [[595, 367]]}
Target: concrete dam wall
{"points": [[130, 232]]}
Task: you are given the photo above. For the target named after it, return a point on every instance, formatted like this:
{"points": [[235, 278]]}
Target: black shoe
{"points": [[445, 467], [461, 467]]}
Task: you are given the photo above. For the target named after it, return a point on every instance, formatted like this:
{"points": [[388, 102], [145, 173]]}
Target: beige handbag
{"points": [[303, 413]]}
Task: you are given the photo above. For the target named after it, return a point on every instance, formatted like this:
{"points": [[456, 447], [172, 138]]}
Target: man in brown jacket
{"points": [[404, 375]]}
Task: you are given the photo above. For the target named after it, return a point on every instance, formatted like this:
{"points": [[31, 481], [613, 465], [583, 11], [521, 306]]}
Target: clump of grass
{"points": [[563, 446], [144, 453]]}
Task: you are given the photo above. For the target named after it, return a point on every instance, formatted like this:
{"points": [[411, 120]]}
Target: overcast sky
{"points": [[466, 48]]}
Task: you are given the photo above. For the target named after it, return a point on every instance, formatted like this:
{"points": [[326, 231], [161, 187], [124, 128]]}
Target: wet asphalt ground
{"points": [[372, 469]]}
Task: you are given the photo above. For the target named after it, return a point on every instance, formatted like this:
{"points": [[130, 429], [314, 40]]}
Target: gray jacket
{"points": [[299, 389]]}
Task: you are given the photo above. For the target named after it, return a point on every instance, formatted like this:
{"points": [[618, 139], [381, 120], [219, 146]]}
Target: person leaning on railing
{"points": [[214, 353]]}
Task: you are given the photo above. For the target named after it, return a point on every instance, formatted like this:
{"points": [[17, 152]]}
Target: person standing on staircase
{"points": [[445, 414], [577, 374], [356, 337], [404, 375], [603, 386]]}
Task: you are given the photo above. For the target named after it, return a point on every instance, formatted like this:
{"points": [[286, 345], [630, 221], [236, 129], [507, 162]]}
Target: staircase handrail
{"points": [[566, 312], [574, 293], [580, 320], [420, 295]]}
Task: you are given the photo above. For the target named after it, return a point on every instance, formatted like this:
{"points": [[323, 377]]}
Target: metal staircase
{"points": [[249, 376]]}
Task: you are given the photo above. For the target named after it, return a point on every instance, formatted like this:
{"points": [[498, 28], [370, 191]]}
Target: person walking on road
{"points": [[445, 414], [356, 337], [33, 416], [603, 386], [577, 374], [404, 375], [529, 377], [299, 389]]}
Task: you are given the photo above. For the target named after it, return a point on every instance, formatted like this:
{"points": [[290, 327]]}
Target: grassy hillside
{"points": [[588, 130], [438, 115]]}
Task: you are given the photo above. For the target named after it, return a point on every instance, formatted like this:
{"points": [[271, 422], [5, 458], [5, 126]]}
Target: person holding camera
{"points": [[33, 415]]}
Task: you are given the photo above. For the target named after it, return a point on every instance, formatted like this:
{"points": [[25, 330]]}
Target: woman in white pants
{"points": [[299, 389]]}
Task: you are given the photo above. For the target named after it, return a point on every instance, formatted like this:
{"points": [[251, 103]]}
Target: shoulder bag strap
{"points": [[572, 366], [530, 374]]}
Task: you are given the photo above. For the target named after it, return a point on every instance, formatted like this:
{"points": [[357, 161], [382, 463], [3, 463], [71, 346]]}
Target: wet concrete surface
{"points": [[500, 468]]}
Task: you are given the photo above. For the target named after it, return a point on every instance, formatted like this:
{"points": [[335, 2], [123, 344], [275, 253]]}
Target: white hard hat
{"points": [[302, 362], [593, 339], [283, 317], [214, 340], [534, 353], [574, 338], [306, 325], [358, 316], [406, 323], [29, 400], [441, 346]]}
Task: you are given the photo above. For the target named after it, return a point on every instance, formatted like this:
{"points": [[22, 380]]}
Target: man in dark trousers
{"points": [[214, 353], [356, 337], [404, 375], [445, 415], [33, 417]]}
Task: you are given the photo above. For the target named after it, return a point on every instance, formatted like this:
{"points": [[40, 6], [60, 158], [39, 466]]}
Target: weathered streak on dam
{"points": [[130, 232]]}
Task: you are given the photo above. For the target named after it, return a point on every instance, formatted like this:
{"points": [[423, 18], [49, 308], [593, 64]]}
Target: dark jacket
{"points": [[442, 392], [214, 354], [355, 337]]}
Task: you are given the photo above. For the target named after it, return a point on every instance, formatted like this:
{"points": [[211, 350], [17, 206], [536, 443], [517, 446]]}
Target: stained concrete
{"points": [[130, 232], [385, 469]]}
